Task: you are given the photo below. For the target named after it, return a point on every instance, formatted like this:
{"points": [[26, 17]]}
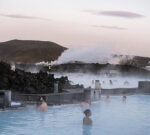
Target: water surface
{"points": [[113, 117]]}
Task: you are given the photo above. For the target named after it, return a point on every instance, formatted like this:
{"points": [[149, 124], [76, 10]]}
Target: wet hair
{"points": [[44, 98], [87, 111]]}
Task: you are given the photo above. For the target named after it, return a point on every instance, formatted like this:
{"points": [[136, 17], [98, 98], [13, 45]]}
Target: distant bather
{"points": [[124, 98], [86, 105], [126, 83], [87, 120], [110, 81]]}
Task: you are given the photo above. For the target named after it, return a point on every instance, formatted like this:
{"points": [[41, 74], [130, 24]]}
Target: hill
{"points": [[29, 51]]}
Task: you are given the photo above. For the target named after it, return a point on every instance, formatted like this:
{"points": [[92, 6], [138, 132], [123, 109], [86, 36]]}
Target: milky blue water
{"points": [[113, 117]]}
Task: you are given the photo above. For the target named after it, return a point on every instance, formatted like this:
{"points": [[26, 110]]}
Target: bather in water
{"points": [[43, 106], [87, 120], [126, 83], [110, 81], [85, 105], [124, 98]]}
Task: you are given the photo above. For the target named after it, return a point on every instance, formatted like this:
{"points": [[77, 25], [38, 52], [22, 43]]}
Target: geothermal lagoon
{"points": [[75, 67], [111, 114], [113, 117]]}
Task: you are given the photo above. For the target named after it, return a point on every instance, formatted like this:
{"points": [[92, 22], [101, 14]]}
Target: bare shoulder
{"points": [[87, 121]]}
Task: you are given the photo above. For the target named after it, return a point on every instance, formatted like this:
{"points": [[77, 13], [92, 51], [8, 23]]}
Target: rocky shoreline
{"points": [[30, 83]]}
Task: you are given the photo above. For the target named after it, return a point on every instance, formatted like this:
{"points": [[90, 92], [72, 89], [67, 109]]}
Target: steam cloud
{"points": [[90, 54]]}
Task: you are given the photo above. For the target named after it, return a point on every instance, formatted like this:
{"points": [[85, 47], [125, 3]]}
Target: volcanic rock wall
{"points": [[26, 82]]}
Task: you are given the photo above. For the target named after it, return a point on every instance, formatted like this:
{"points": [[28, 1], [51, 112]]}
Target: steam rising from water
{"points": [[118, 81], [88, 54]]}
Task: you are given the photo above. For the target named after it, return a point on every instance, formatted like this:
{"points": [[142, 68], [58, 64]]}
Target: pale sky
{"points": [[123, 25]]}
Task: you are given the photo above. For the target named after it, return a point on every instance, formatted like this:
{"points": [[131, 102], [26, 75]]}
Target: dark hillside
{"points": [[28, 51]]}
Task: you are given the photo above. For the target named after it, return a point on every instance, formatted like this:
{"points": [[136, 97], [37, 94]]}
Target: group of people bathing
{"points": [[43, 107], [86, 105], [111, 82]]}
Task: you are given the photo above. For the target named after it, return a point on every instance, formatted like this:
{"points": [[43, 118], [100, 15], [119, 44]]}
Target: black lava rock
{"points": [[29, 83]]}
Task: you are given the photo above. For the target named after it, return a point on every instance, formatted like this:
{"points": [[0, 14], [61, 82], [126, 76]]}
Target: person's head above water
{"points": [[87, 120], [87, 112], [42, 99]]}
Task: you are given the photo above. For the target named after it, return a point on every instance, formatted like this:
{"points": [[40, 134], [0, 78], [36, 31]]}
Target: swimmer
{"points": [[124, 98], [86, 103], [126, 83], [103, 82], [110, 81], [87, 120], [43, 106]]}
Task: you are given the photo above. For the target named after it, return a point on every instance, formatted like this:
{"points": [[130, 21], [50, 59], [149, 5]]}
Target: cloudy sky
{"points": [[123, 25]]}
